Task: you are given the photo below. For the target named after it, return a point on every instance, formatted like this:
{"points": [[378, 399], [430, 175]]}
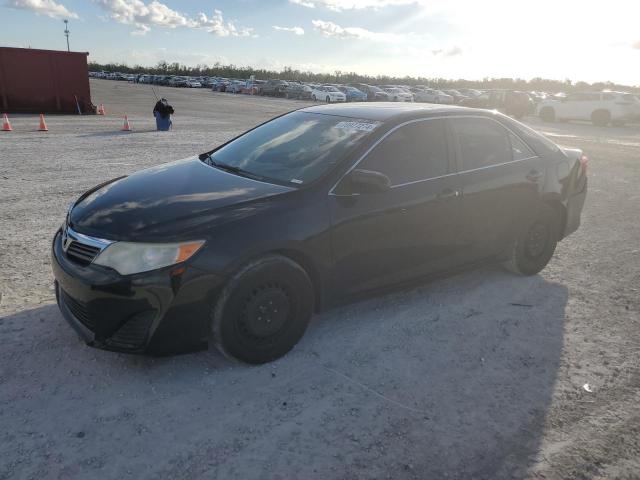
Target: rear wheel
{"points": [[263, 311], [548, 114], [328, 100], [314, 98], [534, 247], [601, 118]]}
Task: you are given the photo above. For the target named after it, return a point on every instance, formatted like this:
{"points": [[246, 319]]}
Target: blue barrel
{"points": [[163, 124]]}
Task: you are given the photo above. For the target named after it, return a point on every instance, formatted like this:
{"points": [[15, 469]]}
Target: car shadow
{"points": [[118, 133], [450, 379]]}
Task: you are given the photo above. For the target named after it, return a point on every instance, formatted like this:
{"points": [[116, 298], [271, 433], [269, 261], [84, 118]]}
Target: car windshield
{"points": [[294, 149], [331, 89]]}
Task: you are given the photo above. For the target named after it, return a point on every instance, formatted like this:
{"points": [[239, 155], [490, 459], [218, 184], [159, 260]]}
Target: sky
{"points": [[557, 39]]}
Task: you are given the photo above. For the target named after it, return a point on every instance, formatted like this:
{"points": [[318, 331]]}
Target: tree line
{"points": [[288, 73]]}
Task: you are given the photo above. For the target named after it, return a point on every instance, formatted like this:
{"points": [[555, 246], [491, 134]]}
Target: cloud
{"points": [[145, 15], [296, 30], [333, 30], [448, 52], [42, 7], [339, 5], [217, 26], [141, 29]]}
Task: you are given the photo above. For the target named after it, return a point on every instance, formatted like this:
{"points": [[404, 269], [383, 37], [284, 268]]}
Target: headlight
{"points": [[130, 257]]}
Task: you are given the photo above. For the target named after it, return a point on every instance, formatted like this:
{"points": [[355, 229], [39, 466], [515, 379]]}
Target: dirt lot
{"points": [[475, 376]]}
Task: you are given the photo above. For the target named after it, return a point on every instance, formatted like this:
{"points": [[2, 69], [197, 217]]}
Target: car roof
{"points": [[384, 111]]}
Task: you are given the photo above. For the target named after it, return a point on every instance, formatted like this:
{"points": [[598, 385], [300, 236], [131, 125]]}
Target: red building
{"points": [[44, 81]]}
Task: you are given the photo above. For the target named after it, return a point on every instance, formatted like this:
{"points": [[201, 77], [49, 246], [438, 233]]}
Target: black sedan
{"points": [[240, 246]]}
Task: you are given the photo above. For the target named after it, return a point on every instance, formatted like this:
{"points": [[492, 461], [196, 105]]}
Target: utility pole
{"points": [[66, 32]]}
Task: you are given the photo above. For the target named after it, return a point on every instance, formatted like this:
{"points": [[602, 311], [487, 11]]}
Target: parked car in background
{"points": [[178, 82], [512, 102], [274, 88], [353, 94], [239, 246], [298, 90], [430, 95], [192, 83], [397, 94], [455, 94], [236, 86], [328, 94], [374, 94], [600, 108], [162, 79], [220, 85], [469, 92]]}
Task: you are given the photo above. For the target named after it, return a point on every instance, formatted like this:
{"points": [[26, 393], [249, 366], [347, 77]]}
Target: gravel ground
{"points": [[478, 376]]}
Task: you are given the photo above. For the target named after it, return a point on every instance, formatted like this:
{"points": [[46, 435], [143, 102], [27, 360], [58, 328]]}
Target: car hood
{"points": [[168, 202]]}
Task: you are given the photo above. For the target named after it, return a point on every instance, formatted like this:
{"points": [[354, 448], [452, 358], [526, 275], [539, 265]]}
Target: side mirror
{"points": [[367, 181]]}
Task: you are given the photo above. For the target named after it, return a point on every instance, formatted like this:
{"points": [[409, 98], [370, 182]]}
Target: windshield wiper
{"points": [[208, 159]]}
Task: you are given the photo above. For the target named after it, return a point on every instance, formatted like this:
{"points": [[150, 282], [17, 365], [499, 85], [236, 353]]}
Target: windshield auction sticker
{"points": [[360, 126]]}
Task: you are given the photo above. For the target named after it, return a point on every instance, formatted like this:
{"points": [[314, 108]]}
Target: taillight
{"points": [[584, 161]]}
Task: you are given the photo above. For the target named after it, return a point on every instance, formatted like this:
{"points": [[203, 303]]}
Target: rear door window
{"points": [[417, 151], [481, 143]]}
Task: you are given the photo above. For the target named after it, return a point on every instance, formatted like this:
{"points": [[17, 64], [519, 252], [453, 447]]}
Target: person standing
{"points": [[163, 111]]}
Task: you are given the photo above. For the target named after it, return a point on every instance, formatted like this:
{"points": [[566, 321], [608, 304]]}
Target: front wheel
{"points": [[601, 118], [328, 100], [548, 114], [533, 248], [263, 311]]}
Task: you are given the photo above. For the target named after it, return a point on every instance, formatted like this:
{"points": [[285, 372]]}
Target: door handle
{"points": [[534, 176], [447, 193]]}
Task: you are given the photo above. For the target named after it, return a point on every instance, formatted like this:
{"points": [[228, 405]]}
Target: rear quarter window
{"points": [[540, 144]]}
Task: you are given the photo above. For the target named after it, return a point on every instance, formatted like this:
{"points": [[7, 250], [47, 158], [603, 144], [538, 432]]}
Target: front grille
{"points": [[79, 310], [82, 253]]}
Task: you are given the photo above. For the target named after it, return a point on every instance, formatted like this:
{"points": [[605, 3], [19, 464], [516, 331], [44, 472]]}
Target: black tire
{"points": [[601, 118], [548, 114], [263, 311], [313, 97], [328, 99], [534, 247]]}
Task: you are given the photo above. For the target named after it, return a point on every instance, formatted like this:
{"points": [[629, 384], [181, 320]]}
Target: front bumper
{"points": [[161, 312]]}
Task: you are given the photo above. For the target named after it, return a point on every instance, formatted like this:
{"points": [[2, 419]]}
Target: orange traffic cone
{"points": [[6, 126], [126, 127], [43, 125]]}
